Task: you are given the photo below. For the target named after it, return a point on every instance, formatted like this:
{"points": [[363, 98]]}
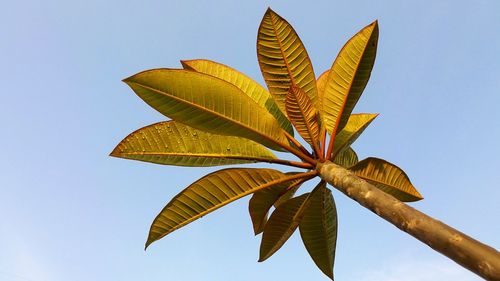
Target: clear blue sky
{"points": [[70, 212]]}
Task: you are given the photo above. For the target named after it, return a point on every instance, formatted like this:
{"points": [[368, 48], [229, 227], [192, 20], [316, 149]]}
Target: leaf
{"points": [[387, 177], [283, 59], [212, 192], [281, 225], [251, 88], [207, 103], [355, 126], [318, 229], [287, 196], [303, 115], [321, 84], [172, 143], [263, 200], [346, 158], [348, 77]]}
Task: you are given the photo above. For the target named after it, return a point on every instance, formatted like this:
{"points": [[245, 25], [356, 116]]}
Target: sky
{"points": [[71, 212]]}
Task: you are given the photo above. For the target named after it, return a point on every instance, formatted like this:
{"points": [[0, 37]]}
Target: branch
{"points": [[464, 250]]}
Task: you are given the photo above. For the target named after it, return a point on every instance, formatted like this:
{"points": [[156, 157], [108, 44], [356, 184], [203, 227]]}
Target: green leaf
{"points": [[348, 77], [263, 200], [281, 225], [172, 143], [387, 177], [283, 59], [303, 115], [212, 192], [346, 158], [318, 229], [207, 103], [355, 126], [246, 84], [287, 196]]}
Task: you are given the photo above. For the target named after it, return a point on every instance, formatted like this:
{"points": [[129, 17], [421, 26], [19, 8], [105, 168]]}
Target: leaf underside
{"points": [[346, 158], [207, 103], [283, 222], [348, 77], [210, 193], [303, 114], [172, 143], [221, 117], [283, 59], [387, 177], [263, 200], [355, 126], [247, 85], [318, 229], [281, 225]]}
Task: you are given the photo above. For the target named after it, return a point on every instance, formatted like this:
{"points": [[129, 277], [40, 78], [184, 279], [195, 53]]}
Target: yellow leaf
{"points": [[207, 103], [212, 192], [348, 77], [283, 59], [387, 177], [255, 91], [303, 115], [321, 83], [172, 143], [355, 126]]}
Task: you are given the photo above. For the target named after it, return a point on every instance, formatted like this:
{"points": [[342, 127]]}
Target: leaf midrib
{"points": [[288, 69]]}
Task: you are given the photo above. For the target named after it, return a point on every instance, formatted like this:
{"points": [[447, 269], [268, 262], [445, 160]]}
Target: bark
{"points": [[464, 250]]}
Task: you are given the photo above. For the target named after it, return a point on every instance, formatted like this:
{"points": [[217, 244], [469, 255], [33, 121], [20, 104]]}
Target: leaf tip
{"points": [[148, 242], [185, 64], [116, 151], [418, 196]]}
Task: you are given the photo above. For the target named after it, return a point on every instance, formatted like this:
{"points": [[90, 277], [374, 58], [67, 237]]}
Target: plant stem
{"points": [[297, 144], [285, 162], [464, 250]]}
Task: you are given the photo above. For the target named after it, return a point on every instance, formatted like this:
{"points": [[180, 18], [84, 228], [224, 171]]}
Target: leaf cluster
{"points": [[219, 116]]}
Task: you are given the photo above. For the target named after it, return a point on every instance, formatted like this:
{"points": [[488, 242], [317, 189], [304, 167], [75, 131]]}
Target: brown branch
{"points": [[285, 162], [464, 250]]}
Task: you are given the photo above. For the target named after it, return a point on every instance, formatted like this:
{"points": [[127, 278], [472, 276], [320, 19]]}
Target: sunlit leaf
{"points": [[303, 115], [207, 103], [348, 77], [212, 192], [172, 143], [318, 229], [321, 83], [355, 126], [387, 177], [263, 200], [253, 89], [346, 158], [283, 59], [281, 225]]}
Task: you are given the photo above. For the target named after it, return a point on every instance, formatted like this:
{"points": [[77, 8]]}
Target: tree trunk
{"points": [[464, 250]]}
